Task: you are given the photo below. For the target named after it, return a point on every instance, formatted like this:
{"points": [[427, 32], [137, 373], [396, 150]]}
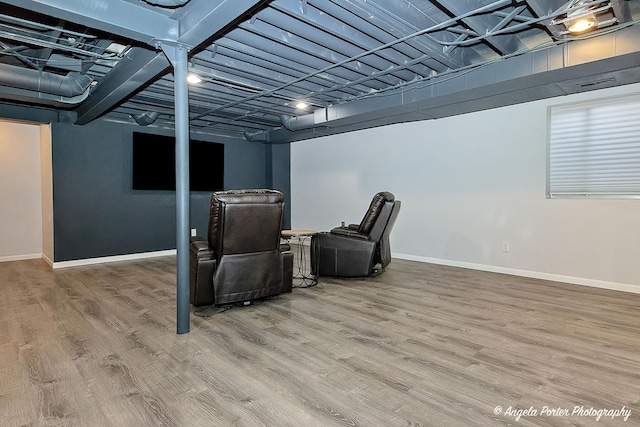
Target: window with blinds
{"points": [[594, 149]]}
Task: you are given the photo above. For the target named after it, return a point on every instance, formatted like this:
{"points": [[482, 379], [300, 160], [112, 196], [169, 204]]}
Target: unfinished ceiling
{"points": [[354, 63]]}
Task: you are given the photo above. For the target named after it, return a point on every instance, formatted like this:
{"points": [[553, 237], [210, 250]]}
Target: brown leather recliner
{"points": [[242, 259], [357, 249]]}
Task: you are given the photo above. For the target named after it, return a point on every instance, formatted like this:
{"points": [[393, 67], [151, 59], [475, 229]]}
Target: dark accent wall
{"points": [[97, 214], [279, 177]]}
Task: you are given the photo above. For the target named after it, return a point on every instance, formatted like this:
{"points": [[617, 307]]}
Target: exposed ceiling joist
{"points": [[545, 8], [204, 20], [485, 23], [501, 83], [142, 66], [113, 16], [355, 64]]}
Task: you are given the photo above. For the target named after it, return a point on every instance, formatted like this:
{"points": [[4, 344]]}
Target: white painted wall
{"points": [[20, 192], [467, 184], [46, 184]]}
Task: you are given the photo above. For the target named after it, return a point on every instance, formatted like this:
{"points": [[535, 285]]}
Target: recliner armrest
{"points": [[341, 231], [200, 248], [347, 227], [284, 247]]}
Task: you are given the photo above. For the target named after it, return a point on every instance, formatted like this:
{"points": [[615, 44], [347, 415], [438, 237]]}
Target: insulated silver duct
{"points": [[64, 86]]}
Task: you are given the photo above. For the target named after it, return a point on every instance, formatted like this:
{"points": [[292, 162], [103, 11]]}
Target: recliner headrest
{"points": [[248, 196], [374, 209], [237, 197]]}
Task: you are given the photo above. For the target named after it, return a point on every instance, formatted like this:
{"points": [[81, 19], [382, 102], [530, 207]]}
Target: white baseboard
{"points": [[583, 281], [20, 257], [47, 260], [116, 258]]}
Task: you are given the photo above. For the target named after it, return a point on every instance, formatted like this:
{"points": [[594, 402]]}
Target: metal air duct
{"points": [[261, 136], [307, 121], [67, 86]]}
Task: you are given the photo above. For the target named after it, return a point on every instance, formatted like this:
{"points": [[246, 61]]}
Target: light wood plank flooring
{"points": [[417, 345]]}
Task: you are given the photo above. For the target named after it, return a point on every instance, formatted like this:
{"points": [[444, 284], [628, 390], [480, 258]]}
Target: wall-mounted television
{"points": [[154, 163]]}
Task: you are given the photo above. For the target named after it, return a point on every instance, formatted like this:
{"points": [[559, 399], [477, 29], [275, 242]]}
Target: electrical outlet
{"points": [[506, 246], [193, 232]]}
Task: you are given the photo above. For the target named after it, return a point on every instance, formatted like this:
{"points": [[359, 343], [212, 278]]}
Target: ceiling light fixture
{"points": [[301, 105], [194, 79], [581, 16], [580, 21]]}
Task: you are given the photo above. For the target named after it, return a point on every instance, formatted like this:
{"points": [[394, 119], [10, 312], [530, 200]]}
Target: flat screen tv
{"points": [[154, 163]]}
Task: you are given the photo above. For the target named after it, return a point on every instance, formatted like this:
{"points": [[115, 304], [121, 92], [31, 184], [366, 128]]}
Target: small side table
{"points": [[306, 276]]}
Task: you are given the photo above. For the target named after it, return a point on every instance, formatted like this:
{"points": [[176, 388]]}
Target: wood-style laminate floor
{"points": [[417, 345]]}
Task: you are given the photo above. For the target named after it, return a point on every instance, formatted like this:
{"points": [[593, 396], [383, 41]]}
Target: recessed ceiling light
{"points": [[194, 79]]}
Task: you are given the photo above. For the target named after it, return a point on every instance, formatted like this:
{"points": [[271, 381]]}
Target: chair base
{"points": [[336, 256], [211, 310]]}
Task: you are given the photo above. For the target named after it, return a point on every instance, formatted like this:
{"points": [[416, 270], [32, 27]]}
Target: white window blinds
{"points": [[594, 149]]}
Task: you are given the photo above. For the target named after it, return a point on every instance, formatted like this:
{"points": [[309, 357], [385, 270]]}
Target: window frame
{"points": [[591, 165]]}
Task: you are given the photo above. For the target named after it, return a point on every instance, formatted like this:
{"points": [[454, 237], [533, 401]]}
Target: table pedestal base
{"points": [[303, 276]]}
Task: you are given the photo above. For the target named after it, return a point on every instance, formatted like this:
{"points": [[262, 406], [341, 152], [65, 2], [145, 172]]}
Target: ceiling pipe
{"points": [[65, 86]]}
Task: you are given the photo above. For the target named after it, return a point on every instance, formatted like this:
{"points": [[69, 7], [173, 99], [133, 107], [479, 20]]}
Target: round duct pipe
{"points": [[298, 122], [260, 136], [41, 98], [67, 86]]}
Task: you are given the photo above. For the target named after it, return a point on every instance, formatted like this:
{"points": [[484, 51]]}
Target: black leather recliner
{"points": [[357, 249], [242, 260]]}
